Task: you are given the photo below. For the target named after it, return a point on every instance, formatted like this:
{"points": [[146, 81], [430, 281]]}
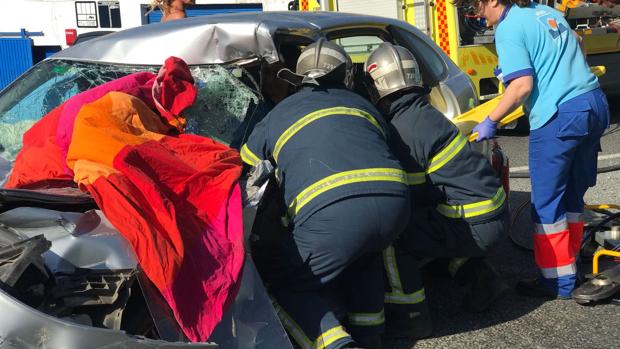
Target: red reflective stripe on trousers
{"points": [[553, 250], [576, 234]]}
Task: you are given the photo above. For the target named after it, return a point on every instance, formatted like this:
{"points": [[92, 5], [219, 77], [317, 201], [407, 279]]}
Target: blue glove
{"points": [[486, 129]]}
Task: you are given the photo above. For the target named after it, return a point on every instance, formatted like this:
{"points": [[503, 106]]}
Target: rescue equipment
{"points": [[605, 241]]}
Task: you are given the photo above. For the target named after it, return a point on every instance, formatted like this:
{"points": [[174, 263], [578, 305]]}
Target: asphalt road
{"points": [[518, 322]]}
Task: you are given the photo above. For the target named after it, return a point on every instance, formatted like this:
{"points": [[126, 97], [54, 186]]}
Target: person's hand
{"points": [[486, 129]]}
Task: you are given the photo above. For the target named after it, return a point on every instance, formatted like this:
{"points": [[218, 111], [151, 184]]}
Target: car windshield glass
{"points": [[359, 47], [226, 95]]}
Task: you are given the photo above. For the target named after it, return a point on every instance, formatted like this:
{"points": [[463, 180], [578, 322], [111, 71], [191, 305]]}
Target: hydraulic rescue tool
{"points": [[601, 238]]}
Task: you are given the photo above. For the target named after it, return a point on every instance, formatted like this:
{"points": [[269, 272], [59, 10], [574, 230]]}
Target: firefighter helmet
{"points": [[320, 61], [392, 68]]}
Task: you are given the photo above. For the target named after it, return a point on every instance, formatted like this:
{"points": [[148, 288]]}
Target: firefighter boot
{"points": [[482, 284], [369, 341], [414, 324]]}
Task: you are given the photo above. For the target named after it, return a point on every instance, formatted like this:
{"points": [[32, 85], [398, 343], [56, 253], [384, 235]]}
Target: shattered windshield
{"points": [[226, 97]]}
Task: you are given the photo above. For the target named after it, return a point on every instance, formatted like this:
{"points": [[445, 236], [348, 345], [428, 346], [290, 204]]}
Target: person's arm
{"points": [[517, 91], [517, 75], [256, 148]]}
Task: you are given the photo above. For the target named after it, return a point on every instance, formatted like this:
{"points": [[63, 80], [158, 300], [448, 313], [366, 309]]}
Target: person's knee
{"points": [[487, 235]]}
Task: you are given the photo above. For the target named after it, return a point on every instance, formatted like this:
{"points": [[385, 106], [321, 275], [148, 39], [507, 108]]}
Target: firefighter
{"points": [[347, 198], [544, 68], [458, 203]]}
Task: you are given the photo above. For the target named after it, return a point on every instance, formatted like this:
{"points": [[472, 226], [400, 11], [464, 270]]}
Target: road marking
{"points": [[600, 158]]}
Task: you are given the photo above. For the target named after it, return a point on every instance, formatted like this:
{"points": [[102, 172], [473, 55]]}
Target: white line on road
{"points": [[602, 157]]}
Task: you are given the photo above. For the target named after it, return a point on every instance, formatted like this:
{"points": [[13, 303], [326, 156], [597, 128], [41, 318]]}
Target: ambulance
{"points": [[469, 41]]}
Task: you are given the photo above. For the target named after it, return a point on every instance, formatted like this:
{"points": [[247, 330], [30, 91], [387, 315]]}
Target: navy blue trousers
{"points": [[343, 243]]}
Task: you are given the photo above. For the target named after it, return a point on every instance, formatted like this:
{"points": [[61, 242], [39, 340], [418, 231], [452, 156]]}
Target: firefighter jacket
{"points": [[327, 144], [443, 170]]}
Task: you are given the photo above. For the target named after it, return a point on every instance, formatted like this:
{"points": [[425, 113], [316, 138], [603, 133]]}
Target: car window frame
{"points": [[429, 78]]}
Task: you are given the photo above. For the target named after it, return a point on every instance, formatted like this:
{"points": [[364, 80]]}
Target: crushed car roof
{"points": [[214, 39]]}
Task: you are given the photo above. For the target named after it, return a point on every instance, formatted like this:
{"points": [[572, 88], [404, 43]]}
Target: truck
{"points": [[469, 41]]}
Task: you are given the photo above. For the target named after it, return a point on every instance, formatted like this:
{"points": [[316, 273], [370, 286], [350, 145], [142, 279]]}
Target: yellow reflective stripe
{"points": [[248, 157], [367, 319], [474, 209], [344, 178], [405, 298], [330, 336], [304, 121], [447, 153], [391, 269], [293, 328], [415, 178], [397, 295], [325, 339]]}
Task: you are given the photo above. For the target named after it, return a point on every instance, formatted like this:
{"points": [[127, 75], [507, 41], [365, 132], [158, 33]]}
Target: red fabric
{"points": [[553, 250], [576, 235], [174, 197], [41, 162], [174, 90], [178, 204]]}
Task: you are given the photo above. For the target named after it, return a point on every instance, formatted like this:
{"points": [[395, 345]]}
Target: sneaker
{"points": [[538, 288], [482, 285]]}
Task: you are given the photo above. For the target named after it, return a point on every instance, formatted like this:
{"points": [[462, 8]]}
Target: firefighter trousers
{"points": [[341, 243], [430, 234], [563, 162]]}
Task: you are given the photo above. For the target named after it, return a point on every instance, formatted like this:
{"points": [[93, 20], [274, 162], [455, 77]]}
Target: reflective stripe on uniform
{"points": [[323, 340], [574, 217], [344, 178], [556, 272], [304, 121], [330, 336], [474, 209], [447, 153], [553, 228], [398, 295], [293, 328], [415, 178], [391, 269], [248, 157], [367, 319], [416, 297]]}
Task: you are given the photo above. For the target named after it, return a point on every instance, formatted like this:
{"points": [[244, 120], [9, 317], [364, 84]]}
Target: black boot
{"points": [[368, 341], [414, 324], [482, 285]]}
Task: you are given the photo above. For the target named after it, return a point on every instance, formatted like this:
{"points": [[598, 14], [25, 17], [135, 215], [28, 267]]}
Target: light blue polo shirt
{"points": [[537, 41]]}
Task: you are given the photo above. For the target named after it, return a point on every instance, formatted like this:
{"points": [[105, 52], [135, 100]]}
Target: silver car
{"points": [[68, 279]]}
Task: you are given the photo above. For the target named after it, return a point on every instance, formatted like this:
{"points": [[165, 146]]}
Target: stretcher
{"points": [[468, 120]]}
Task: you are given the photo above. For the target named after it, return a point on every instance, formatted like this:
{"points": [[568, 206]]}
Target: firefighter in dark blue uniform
{"points": [[347, 198], [458, 203]]}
